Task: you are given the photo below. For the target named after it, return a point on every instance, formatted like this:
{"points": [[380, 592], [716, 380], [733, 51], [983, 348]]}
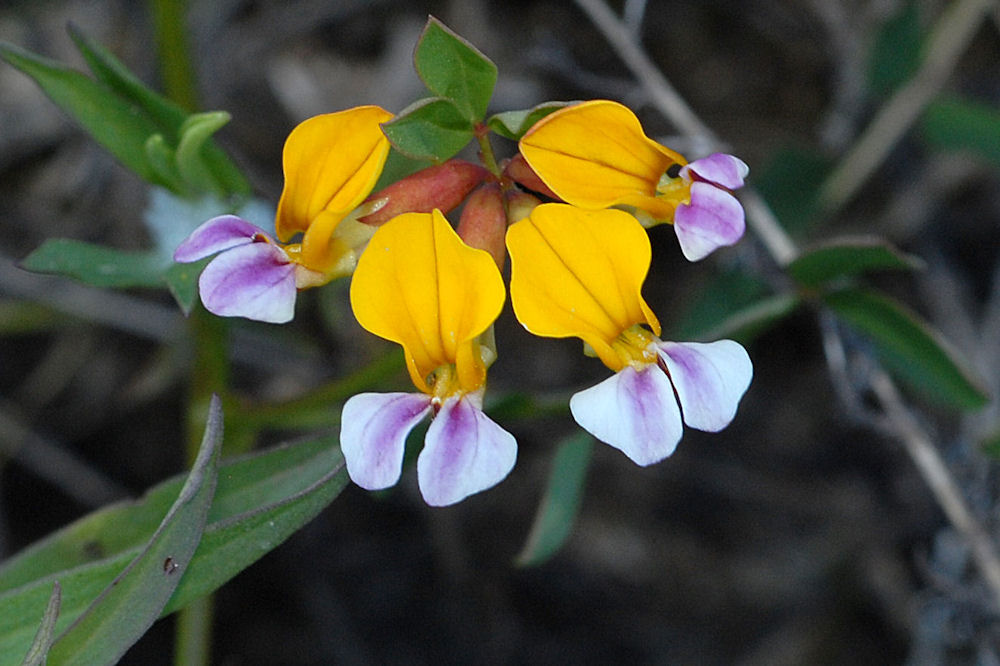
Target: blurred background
{"points": [[802, 534]]}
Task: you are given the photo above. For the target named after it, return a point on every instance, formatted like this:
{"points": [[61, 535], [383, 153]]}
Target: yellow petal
{"points": [[595, 155], [579, 273], [419, 285], [331, 164]]}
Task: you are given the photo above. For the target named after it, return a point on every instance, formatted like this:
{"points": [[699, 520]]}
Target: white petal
{"points": [[373, 434], [710, 378], [218, 234], [634, 411], [723, 170], [713, 219], [255, 281], [465, 452]]}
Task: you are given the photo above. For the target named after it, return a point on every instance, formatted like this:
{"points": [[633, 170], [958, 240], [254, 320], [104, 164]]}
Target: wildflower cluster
{"points": [[578, 264]]}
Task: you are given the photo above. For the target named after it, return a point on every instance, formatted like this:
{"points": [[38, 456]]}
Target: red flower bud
{"points": [[521, 172], [442, 186], [484, 222]]}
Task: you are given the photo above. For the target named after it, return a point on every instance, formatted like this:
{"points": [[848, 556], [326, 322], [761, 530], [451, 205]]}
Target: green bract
{"points": [[430, 129], [455, 70], [513, 124]]}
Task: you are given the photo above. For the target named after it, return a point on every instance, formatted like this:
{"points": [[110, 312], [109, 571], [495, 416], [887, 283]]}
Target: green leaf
{"points": [[957, 124], [130, 604], [110, 71], [896, 54], [429, 129], [843, 257], [749, 322], [557, 512], [195, 132], [455, 70], [96, 265], [790, 182], [225, 175], [114, 123], [261, 499], [163, 161], [910, 348], [513, 124], [991, 445], [397, 167], [121, 114], [182, 281], [725, 295], [39, 651]]}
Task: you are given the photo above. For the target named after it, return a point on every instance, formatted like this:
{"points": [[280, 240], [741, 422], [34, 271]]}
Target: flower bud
{"points": [[519, 204], [442, 186], [520, 172], [484, 221]]}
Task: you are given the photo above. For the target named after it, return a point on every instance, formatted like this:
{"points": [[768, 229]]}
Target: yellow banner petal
{"points": [[595, 155], [331, 163], [419, 285], [580, 273]]}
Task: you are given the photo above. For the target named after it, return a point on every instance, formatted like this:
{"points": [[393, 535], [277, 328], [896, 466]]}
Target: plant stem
{"points": [[210, 372], [176, 69]]}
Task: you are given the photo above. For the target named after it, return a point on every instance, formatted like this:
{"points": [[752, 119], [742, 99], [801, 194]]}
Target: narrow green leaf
{"points": [[790, 182], [843, 257], [991, 445], [557, 512], [513, 124], [456, 70], [163, 163], [896, 53], [195, 132], [957, 124], [169, 117], [110, 71], [114, 123], [723, 296], [429, 129], [910, 348], [261, 499], [134, 599], [39, 651], [96, 265], [748, 323]]}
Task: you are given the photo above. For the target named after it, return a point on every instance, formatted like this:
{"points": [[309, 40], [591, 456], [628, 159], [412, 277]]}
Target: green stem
{"points": [[194, 632], [175, 56], [210, 372], [486, 153]]}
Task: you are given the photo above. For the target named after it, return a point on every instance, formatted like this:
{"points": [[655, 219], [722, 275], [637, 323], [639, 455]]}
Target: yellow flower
{"points": [[331, 164], [595, 155], [579, 273], [419, 285]]}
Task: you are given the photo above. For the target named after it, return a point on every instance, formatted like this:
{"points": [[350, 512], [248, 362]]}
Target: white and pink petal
{"points": [[256, 281], [464, 453], [373, 432], [710, 379], [720, 169], [712, 219], [634, 411], [215, 235]]}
